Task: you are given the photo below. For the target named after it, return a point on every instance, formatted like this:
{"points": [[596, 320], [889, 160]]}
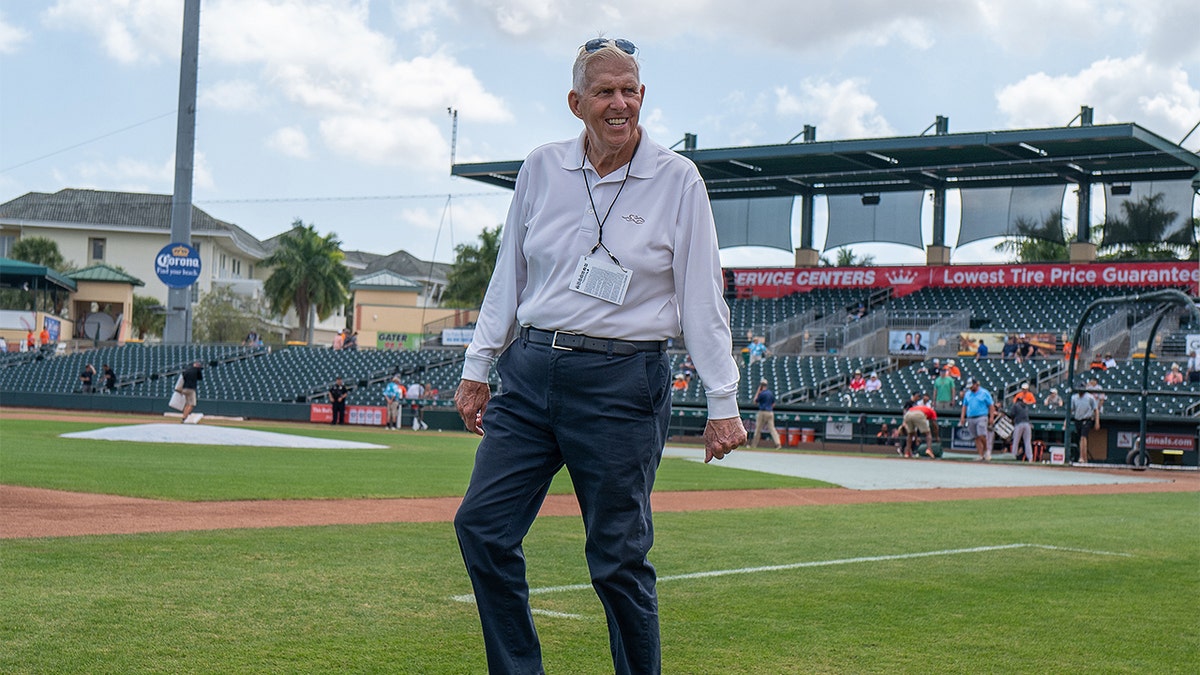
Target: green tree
{"points": [[224, 316], [148, 317], [39, 251], [1037, 243], [468, 279], [1140, 232], [308, 272], [847, 258]]}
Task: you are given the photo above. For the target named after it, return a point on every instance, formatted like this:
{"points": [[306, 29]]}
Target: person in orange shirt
{"points": [[44, 337], [1024, 395], [953, 370]]}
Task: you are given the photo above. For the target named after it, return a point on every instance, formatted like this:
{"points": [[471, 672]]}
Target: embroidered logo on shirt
{"points": [[633, 218]]}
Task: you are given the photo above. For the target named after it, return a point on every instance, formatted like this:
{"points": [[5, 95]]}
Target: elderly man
{"points": [[608, 251]]}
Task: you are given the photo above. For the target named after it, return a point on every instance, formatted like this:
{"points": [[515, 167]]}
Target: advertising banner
{"points": [[366, 415], [778, 282], [177, 265], [912, 343]]}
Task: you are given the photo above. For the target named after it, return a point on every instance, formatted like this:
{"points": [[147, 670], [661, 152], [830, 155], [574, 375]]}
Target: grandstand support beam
{"points": [[1165, 295], [1083, 213], [1082, 252], [806, 219], [939, 216]]}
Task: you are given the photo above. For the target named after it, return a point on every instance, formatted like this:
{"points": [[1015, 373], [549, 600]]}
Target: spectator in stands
{"points": [[351, 343], [857, 313], [1025, 349], [1022, 434], [110, 379], [1085, 412], [1053, 400], [1098, 365], [30, 341], [679, 383], [914, 399], [339, 340], [1093, 387], [190, 387], [873, 383], [978, 414], [1109, 361], [952, 369], [758, 349], [1010, 349], [392, 393], [87, 378], [945, 390], [1024, 395], [925, 400], [1193, 366], [431, 392], [687, 368], [981, 350], [764, 419], [337, 397], [3, 346], [858, 382], [601, 408], [918, 420], [44, 337], [1174, 375]]}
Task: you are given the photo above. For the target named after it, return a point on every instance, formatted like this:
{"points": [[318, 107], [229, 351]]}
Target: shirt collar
{"points": [[644, 162]]}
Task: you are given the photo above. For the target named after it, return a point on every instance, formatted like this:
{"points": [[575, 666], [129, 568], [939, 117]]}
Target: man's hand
{"points": [[471, 399], [722, 436]]}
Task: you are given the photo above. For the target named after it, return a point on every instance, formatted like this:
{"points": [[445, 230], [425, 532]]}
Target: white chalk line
{"points": [[470, 597]]}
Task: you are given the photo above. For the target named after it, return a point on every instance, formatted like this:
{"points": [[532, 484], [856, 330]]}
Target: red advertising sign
{"points": [[778, 282], [1170, 442], [368, 415]]}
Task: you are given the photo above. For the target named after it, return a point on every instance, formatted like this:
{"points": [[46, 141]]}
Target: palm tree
{"points": [[308, 273], [39, 251], [847, 258], [1141, 232], [1034, 243], [473, 265]]}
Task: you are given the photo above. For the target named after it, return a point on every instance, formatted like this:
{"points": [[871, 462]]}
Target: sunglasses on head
{"points": [[620, 43]]}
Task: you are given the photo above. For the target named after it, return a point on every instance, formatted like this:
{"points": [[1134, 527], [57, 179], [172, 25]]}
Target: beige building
{"points": [[400, 292]]}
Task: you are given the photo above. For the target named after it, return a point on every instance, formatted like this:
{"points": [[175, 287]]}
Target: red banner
{"points": [[778, 282], [368, 415]]}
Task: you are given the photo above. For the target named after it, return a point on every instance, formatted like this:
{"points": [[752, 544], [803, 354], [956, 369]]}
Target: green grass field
{"points": [[849, 589]]}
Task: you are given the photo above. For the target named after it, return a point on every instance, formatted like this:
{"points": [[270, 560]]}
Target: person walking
{"points": [[1085, 413], [764, 420], [978, 414], [609, 251], [392, 393], [190, 386], [1022, 434]]}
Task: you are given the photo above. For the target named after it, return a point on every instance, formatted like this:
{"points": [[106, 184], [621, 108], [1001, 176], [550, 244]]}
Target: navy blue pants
{"points": [[605, 418]]}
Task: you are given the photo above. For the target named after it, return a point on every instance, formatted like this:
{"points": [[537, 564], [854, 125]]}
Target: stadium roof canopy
{"points": [[1108, 153]]}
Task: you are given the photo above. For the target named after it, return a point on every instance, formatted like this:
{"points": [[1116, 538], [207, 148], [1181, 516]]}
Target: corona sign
{"points": [[177, 265]]}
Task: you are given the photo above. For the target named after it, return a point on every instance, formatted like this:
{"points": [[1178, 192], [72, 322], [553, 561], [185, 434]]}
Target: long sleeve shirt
{"points": [[659, 225]]}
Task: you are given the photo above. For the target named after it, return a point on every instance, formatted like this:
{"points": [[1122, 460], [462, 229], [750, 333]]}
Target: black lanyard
{"points": [[599, 221]]}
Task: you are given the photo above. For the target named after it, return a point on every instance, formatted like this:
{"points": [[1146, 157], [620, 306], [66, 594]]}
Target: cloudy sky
{"points": [[336, 111]]}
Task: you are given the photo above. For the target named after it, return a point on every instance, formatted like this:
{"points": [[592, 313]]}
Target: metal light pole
{"points": [[178, 328]]}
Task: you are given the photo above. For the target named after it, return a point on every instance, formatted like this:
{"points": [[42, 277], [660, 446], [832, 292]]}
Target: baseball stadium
{"points": [[259, 538]]}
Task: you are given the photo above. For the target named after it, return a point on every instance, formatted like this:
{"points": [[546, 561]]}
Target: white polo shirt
{"points": [[660, 227]]}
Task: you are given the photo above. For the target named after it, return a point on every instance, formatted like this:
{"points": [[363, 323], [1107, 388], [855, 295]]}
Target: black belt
{"points": [[575, 342]]}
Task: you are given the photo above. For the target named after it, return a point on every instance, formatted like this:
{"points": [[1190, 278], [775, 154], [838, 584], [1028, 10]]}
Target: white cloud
{"points": [[138, 176], [394, 141], [130, 31], [290, 141], [1120, 90], [838, 109], [230, 95], [11, 37]]}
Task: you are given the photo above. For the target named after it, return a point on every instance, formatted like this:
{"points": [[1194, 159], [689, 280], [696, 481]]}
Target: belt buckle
{"points": [[554, 341]]}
